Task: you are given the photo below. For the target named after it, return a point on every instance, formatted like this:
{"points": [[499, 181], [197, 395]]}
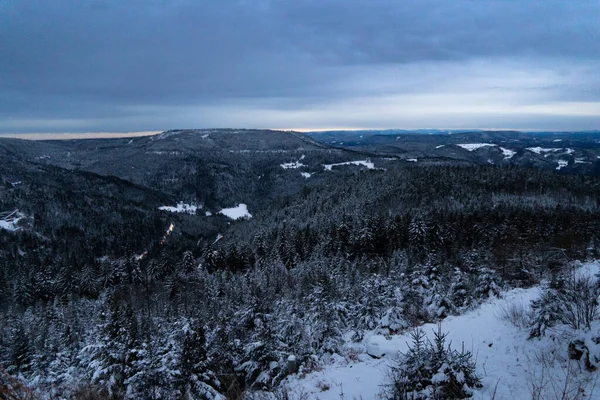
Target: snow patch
{"points": [[366, 163], [293, 165], [562, 164], [440, 146], [508, 153], [10, 220], [411, 159], [238, 212], [181, 208], [306, 174], [475, 146], [540, 150]]}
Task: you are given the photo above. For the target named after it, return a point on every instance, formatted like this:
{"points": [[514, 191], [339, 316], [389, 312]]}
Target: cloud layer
{"points": [[115, 65]]}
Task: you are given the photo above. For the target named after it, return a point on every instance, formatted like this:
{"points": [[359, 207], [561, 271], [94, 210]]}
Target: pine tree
{"points": [[432, 370], [20, 357], [196, 381]]}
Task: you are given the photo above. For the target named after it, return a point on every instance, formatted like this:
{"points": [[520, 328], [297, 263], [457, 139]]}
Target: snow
{"points": [[411, 159], [508, 153], [208, 213], [562, 164], [9, 226], [581, 161], [238, 212], [204, 136], [475, 146], [506, 360], [557, 140], [540, 150], [181, 208], [440, 146], [366, 163], [293, 165], [10, 220], [306, 174]]}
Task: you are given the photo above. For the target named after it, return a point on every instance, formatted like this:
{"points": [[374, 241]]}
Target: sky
{"points": [[151, 65]]}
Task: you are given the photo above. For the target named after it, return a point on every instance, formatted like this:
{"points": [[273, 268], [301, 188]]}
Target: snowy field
{"points": [[508, 363], [181, 208], [10, 220], [294, 165], [238, 212], [508, 153], [366, 163], [475, 146]]}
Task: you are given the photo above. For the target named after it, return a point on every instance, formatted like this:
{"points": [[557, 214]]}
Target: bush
{"points": [[571, 301], [432, 370], [516, 313]]}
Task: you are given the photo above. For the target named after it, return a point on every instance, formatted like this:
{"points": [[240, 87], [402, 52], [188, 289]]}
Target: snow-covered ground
{"points": [[293, 165], [411, 160], [10, 220], [562, 164], [508, 153], [540, 150], [306, 174], [507, 361], [238, 212], [366, 163], [475, 146], [181, 208]]}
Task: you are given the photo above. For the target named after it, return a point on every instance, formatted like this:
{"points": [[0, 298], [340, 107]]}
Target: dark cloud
{"points": [[128, 65]]}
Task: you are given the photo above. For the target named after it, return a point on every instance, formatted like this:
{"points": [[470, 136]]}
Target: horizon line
{"points": [[132, 134]]}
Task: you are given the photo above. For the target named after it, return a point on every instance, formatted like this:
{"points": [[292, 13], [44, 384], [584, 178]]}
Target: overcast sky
{"points": [[138, 65]]}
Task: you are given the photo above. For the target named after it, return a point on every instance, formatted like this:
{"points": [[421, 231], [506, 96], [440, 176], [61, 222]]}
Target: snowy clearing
{"points": [[562, 164], [306, 174], [10, 220], [366, 163], [411, 159], [181, 208], [293, 165], [440, 146], [508, 153], [475, 146], [540, 150], [581, 161], [238, 212], [506, 360]]}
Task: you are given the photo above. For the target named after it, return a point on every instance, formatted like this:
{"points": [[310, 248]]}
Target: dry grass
{"points": [[516, 313]]}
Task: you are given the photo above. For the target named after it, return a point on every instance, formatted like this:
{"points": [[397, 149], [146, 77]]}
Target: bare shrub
{"points": [[581, 307], [516, 313], [550, 379], [13, 389]]}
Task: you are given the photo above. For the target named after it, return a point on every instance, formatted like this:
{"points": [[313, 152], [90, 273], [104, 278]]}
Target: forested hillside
{"points": [[104, 294]]}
